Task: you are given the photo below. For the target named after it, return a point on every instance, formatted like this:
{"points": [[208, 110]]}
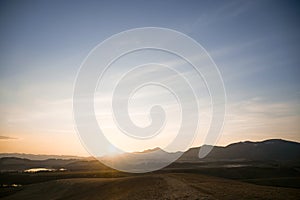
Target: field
{"points": [[115, 185]]}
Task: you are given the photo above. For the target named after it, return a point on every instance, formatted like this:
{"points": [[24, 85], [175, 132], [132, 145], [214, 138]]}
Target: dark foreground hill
{"points": [[152, 186]]}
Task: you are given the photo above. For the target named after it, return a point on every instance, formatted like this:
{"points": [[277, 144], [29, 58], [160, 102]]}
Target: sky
{"points": [[255, 45]]}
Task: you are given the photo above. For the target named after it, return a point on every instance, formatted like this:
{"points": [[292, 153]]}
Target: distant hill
{"points": [[21, 164], [38, 156], [274, 149], [269, 150]]}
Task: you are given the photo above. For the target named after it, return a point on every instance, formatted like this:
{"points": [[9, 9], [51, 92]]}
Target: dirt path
{"points": [[163, 186], [178, 189]]}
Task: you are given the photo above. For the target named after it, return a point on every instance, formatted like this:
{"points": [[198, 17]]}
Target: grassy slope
{"points": [[152, 186]]}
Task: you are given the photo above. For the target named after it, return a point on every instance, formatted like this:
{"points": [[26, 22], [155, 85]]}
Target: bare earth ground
{"points": [[156, 186]]}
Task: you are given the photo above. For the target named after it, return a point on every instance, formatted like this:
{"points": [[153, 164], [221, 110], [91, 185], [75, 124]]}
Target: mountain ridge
{"points": [[271, 149], [230, 151]]}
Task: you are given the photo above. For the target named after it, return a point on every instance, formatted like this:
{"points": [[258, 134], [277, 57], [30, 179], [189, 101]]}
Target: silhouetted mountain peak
{"points": [[273, 149], [157, 149], [270, 141]]}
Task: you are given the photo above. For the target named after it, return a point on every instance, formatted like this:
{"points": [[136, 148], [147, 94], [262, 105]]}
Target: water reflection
{"points": [[34, 170]]}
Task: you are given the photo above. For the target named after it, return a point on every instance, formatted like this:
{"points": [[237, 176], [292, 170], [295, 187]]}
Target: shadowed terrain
{"points": [[248, 170], [158, 186]]}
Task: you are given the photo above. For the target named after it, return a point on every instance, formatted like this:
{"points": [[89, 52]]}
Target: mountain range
{"points": [[274, 149], [268, 150]]}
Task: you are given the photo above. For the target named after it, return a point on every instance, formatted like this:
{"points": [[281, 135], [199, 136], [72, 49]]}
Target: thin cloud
{"points": [[7, 138]]}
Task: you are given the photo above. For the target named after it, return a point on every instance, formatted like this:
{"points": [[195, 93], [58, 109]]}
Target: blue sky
{"points": [[255, 44]]}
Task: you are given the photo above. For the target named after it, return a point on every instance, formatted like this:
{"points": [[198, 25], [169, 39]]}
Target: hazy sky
{"points": [[255, 44]]}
